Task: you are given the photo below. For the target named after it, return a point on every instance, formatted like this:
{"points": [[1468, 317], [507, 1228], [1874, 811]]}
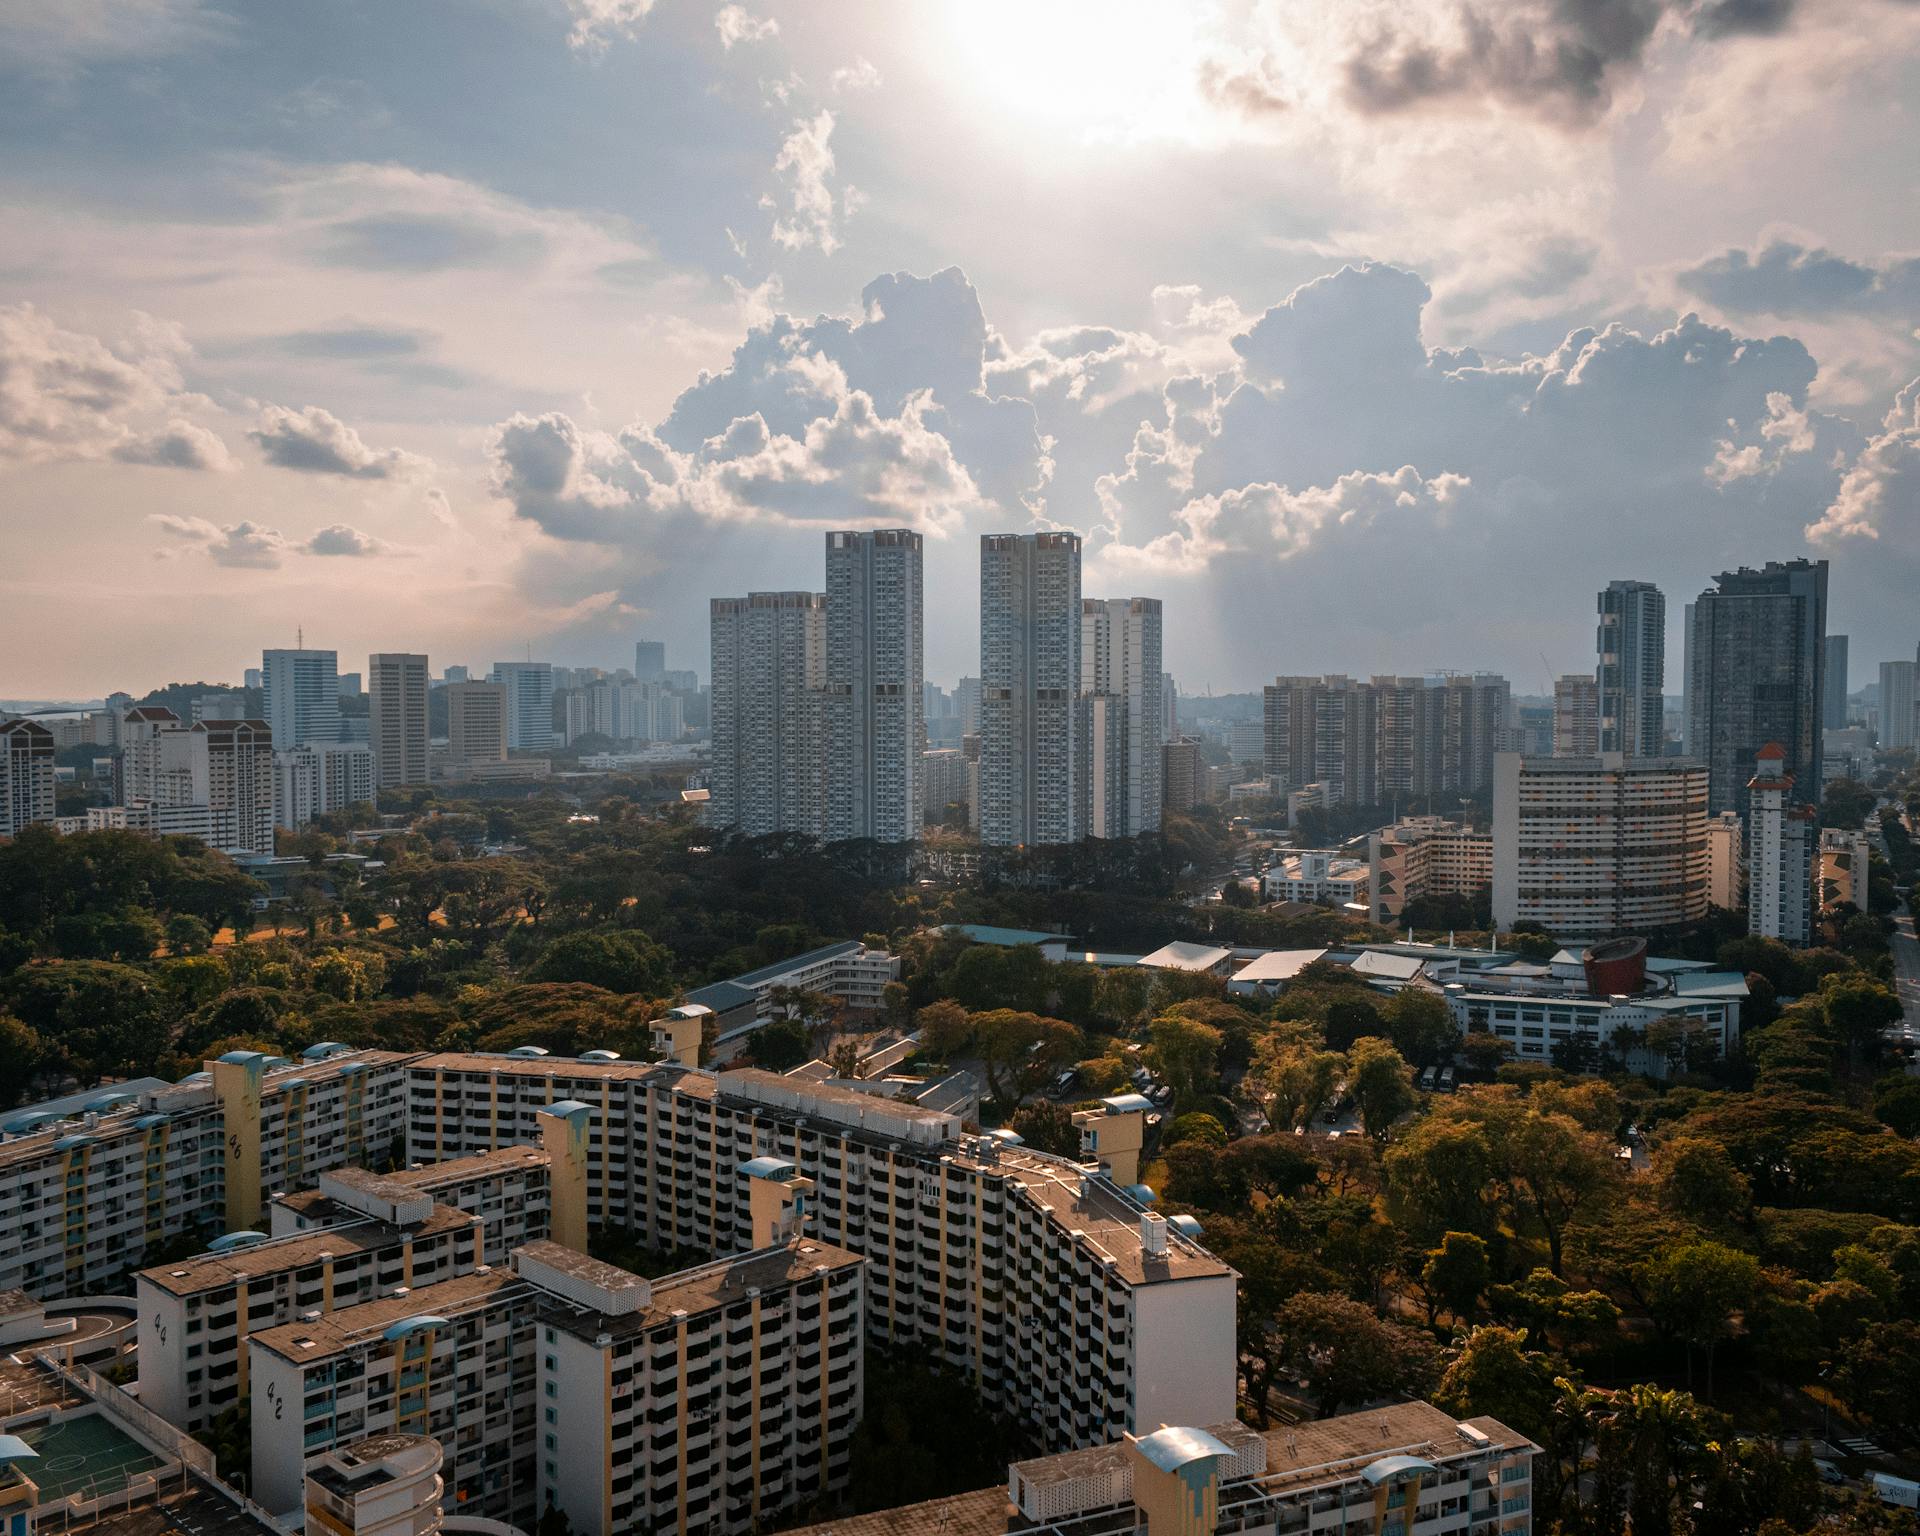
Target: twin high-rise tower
{"points": [[818, 699]]}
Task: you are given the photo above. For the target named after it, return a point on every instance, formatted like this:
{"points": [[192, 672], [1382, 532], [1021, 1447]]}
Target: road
{"points": [[1906, 967], [1906, 951]]}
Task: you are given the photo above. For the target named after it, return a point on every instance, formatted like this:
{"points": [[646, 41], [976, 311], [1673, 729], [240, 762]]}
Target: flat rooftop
{"points": [[198, 1512], [1108, 1220], [697, 1290], [280, 1255], [569, 1067], [302, 1342], [458, 1170]]}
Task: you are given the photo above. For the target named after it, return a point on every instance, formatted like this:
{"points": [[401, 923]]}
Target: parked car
{"points": [[1829, 1473], [1063, 1083]]}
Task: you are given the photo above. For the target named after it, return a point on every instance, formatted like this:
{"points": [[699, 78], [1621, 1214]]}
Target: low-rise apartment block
{"points": [[510, 1191], [1425, 856], [195, 1316], [977, 1250], [1406, 1469], [711, 1400]]}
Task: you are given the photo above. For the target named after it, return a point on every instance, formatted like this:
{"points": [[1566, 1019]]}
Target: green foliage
{"points": [[615, 962], [1047, 1127], [1196, 1130], [1346, 1354], [1495, 1375], [1381, 1083], [780, 1045], [925, 1434], [1455, 1273]]}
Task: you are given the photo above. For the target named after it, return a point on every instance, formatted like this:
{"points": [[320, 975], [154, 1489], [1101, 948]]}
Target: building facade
{"points": [[1726, 862], [233, 778], [1835, 685], [1030, 673], [769, 764], [529, 703], [26, 775], [301, 690], [1576, 716], [1631, 646], [1899, 703], [1599, 845], [397, 718], [1385, 740], [1124, 697], [1425, 856], [476, 722], [320, 778], [1780, 852], [1756, 660], [1182, 775], [874, 694]]}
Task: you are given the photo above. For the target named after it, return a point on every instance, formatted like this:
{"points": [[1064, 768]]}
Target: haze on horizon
{"points": [[1366, 339]]}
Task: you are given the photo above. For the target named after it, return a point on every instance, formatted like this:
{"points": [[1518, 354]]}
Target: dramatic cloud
{"points": [[805, 164], [317, 442], [245, 545], [736, 25], [249, 546], [66, 395], [177, 445], [1880, 497], [1786, 278]]}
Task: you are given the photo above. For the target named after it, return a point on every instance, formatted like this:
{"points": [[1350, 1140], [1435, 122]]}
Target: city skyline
{"points": [[367, 356]]}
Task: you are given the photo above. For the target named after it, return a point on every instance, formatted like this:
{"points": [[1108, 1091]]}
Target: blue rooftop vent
{"points": [[778, 1168], [599, 1055], [1142, 1193], [1394, 1469], [13, 1448], [528, 1050], [20, 1125], [109, 1101], [565, 1108], [79, 1139], [228, 1242], [1128, 1104], [245, 1058], [321, 1050], [1187, 1226], [1174, 1447], [410, 1325]]}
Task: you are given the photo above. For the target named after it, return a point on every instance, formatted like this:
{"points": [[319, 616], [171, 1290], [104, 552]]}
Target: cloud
{"points": [[349, 343], [427, 243], [860, 75], [67, 395], [58, 36], [1729, 18], [596, 23], [1248, 86], [1784, 277], [317, 442], [1879, 498], [344, 539], [244, 545], [735, 25], [177, 445], [805, 164]]}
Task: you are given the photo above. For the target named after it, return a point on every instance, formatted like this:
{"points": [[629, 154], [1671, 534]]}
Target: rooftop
{"points": [[1181, 955], [275, 1256], [987, 933], [547, 1066], [1278, 965], [305, 1341], [703, 1288]]}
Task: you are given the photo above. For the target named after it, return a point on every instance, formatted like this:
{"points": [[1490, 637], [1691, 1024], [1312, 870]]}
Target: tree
{"points": [[1485, 1053], [1879, 1373], [1195, 1129], [1047, 1127], [1185, 1052], [1693, 1292], [1296, 1082], [1696, 1179], [1439, 1176], [1496, 1376], [780, 1045], [1121, 996], [1347, 1355], [188, 935], [1550, 1309], [1858, 1008], [21, 1059], [844, 1059], [1421, 1027], [1455, 1274], [617, 962], [1381, 1083], [1553, 1168], [944, 1029], [1020, 1051]]}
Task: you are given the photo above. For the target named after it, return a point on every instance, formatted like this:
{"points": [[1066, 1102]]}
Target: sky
{"points": [[1369, 335]]}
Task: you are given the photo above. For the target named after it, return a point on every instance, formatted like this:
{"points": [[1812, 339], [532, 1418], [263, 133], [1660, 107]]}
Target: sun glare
{"points": [[1106, 68]]}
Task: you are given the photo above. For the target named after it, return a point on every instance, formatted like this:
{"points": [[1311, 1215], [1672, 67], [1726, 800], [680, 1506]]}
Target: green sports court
{"points": [[89, 1456]]}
